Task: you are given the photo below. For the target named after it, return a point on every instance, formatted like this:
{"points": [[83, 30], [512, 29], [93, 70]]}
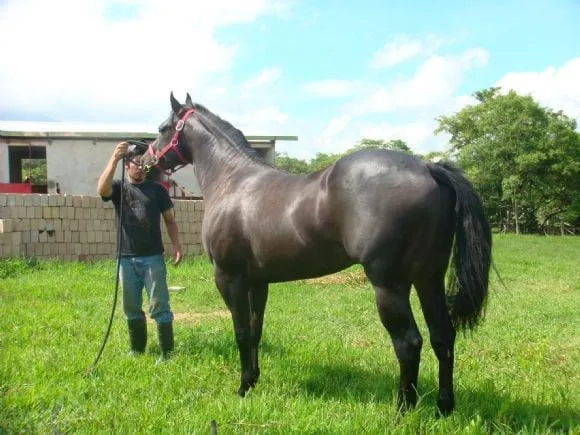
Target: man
{"points": [[142, 262]]}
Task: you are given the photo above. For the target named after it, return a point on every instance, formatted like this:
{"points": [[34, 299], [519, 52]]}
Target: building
{"points": [[76, 154]]}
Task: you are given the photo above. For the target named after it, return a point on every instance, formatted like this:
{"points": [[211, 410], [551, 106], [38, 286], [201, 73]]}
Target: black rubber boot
{"points": [[165, 334], [137, 335]]}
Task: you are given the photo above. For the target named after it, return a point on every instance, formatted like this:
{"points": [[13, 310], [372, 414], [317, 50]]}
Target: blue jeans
{"points": [[148, 272]]}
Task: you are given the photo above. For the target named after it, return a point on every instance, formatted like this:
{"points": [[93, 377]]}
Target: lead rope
{"points": [[118, 268]]}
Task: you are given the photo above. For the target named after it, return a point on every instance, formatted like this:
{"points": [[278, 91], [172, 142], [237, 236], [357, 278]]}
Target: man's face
{"points": [[135, 171]]}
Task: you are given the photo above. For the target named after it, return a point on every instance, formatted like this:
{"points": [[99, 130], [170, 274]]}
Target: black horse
{"points": [[398, 216]]}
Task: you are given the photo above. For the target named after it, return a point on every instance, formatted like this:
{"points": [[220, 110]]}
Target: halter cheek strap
{"points": [[172, 145]]}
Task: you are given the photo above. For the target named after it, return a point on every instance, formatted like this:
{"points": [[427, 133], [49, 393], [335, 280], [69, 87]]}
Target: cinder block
{"points": [[2, 200], [6, 226], [28, 200], [16, 239], [52, 200], [25, 224], [18, 200]]}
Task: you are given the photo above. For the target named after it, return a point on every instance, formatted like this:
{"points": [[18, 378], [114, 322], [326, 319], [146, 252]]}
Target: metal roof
{"points": [[57, 130]]}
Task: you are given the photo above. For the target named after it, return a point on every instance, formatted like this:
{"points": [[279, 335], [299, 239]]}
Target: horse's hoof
{"points": [[406, 401], [242, 392], [445, 407]]}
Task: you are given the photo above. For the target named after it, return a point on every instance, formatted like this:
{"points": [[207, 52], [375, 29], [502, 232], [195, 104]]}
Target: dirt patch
{"points": [[192, 317], [355, 278]]}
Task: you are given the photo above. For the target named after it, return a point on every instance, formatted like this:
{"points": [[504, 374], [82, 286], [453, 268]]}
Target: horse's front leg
{"points": [[258, 299], [236, 293]]}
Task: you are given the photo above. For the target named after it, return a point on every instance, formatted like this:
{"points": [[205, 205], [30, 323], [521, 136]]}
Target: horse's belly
{"points": [[280, 267]]}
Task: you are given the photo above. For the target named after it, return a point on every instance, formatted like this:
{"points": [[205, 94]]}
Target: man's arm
{"points": [[105, 185], [169, 218]]}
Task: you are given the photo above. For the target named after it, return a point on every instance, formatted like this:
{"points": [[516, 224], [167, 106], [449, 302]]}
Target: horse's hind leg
{"points": [[442, 336], [258, 299], [392, 299]]}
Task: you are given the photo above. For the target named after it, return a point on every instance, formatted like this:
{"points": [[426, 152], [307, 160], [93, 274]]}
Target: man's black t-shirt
{"points": [[143, 205]]}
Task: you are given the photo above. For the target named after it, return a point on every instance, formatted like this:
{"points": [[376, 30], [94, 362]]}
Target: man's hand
{"points": [[120, 151], [177, 256]]}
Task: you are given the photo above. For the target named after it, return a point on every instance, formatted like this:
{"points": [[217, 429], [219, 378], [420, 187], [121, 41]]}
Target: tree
{"points": [[291, 164], [393, 144], [523, 158], [322, 160]]}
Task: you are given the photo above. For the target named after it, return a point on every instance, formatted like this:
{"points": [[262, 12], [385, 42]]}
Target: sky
{"points": [[328, 71]]}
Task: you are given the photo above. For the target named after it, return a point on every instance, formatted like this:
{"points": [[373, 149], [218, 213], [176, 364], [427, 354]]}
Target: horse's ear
{"points": [[188, 100], [175, 105]]}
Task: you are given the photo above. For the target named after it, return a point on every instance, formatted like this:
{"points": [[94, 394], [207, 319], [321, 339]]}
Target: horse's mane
{"points": [[223, 127]]}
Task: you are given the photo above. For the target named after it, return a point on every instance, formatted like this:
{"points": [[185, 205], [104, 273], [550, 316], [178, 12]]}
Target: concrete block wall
{"points": [[73, 228]]}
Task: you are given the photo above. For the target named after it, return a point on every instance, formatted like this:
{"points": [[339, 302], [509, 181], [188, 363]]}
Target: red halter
{"points": [[171, 146]]}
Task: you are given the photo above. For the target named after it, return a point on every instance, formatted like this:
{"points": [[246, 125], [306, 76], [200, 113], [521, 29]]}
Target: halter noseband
{"points": [[171, 146]]}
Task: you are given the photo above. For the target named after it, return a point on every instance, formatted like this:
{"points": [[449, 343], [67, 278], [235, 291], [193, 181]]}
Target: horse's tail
{"points": [[468, 278]]}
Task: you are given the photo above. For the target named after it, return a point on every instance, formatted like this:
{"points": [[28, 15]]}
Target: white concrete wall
{"points": [[76, 165], [4, 169]]}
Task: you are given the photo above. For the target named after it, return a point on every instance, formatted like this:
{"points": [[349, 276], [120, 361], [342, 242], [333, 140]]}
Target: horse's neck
{"points": [[217, 164]]}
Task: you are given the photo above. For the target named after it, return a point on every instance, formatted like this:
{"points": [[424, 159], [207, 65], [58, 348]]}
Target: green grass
{"points": [[327, 363]]}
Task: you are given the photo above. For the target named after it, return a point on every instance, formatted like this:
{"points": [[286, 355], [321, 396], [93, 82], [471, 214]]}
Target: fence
{"points": [[72, 227]]}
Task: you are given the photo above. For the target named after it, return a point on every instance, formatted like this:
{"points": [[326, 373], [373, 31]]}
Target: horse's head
{"points": [[169, 151]]}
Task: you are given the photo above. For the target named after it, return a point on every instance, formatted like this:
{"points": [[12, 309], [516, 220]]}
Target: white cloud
{"points": [[333, 88], [336, 125], [404, 48], [268, 120], [261, 82], [265, 77], [434, 82], [557, 88], [78, 57]]}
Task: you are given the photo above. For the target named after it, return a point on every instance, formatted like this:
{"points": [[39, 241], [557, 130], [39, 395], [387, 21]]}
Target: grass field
{"points": [[327, 363]]}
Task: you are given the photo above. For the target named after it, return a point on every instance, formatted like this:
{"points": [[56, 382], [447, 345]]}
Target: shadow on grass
{"points": [[498, 409], [516, 413], [348, 383], [216, 342]]}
